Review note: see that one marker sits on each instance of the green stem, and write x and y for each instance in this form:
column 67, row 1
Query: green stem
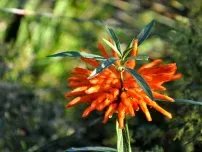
column 123, row 138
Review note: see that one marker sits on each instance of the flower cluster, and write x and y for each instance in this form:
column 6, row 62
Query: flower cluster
column 114, row 90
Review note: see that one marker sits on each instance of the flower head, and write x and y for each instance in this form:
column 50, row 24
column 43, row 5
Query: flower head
column 115, row 91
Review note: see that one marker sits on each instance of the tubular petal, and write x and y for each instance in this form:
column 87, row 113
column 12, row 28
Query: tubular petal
column 114, row 92
column 166, row 68
column 105, row 103
column 126, row 102
column 161, row 110
column 163, row 97
column 83, row 99
column 77, row 91
column 93, row 89
column 144, row 108
column 98, row 100
column 121, row 115
column 102, row 50
column 77, row 84
column 109, row 112
column 91, row 62
column 175, row 77
column 131, row 63
column 87, row 111
column 134, row 94
column 149, row 65
column 82, row 71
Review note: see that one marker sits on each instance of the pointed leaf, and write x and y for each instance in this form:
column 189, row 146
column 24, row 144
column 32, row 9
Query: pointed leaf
column 123, row 139
column 120, row 146
column 126, row 53
column 77, row 54
column 105, row 64
column 145, row 32
column 112, row 46
column 142, row 83
column 186, row 101
column 139, row 57
column 128, row 49
column 96, row 148
column 112, row 34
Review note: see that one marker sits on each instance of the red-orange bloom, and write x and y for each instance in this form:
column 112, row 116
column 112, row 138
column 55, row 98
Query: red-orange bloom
column 109, row 93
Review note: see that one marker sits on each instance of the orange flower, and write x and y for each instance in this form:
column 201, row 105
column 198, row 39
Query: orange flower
column 111, row 93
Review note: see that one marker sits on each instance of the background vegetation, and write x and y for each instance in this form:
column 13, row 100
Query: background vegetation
column 32, row 105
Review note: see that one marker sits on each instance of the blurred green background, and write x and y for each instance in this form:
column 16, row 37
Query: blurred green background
column 32, row 105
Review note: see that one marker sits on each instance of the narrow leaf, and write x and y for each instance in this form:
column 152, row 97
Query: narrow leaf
column 105, row 64
column 120, row 146
column 112, row 46
column 145, row 32
column 140, row 57
column 142, row 83
column 126, row 52
column 96, row 148
column 123, row 138
column 112, row 34
column 188, row 101
column 77, row 54
column 128, row 48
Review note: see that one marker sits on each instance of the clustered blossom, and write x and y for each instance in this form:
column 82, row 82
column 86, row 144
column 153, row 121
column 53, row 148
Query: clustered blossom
column 112, row 93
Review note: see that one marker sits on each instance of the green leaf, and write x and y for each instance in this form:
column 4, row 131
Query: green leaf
column 188, row 101
column 77, row 54
column 120, row 147
column 112, row 46
column 142, row 83
column 139, row 57
column 112, row 34
column 145, row 32
column 123, row 139
column 105, row 64
column 128, row 49
column 96, row 148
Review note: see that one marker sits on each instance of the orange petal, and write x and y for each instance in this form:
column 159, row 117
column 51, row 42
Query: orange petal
column 116, row 83
column 133, row 94
column 77, row 91
column 82, row 71
column 161, row 110
column 131, row 63
column 127, row 103
column 157, row 87
column 91, row 62
column 93, row 89
column 77, row 84
column 99, row 100
column 83, row 99
column 149, row 65
column 114, row 92
column 175, row 77
column 121, row 115
column 87, row 111
column 105, row 103
column 109, row 112
column 135, row 104
column 73, row 102
column 144, row 108
column 102, row 50
column 163, row 97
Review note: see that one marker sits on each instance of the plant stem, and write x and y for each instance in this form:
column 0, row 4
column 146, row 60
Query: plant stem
column 123, row 138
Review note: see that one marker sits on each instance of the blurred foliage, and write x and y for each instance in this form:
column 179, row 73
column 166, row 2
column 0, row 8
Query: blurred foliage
column 32, row 113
